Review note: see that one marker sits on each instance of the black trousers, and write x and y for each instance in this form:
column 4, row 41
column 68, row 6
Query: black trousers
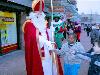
column 64, row 34
column 93, row 70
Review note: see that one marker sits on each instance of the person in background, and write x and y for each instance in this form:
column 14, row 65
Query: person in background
column 68, row 24
column 93, row 56
column 71, row 61
column 94, row 67
column 77, row 31
column 72, row 26
column 94, row 33
column 88, row 30
column 71, row 29
column 64, row 33
column 59, row 29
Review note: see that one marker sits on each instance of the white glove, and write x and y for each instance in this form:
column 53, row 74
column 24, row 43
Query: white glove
column 97, row 63
column 41, row 41
column 49, row 45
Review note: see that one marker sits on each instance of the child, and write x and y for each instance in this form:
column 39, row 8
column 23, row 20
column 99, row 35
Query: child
column 94, row 68
column 94, row 55
column 71, row 61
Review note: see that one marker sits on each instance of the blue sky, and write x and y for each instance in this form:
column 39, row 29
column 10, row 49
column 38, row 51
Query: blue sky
column 88, row 6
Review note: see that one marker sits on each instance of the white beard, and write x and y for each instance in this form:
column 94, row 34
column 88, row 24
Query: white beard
column 38, row 20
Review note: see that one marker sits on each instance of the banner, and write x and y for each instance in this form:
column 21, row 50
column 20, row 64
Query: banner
column 8, row 28
column 7, row 18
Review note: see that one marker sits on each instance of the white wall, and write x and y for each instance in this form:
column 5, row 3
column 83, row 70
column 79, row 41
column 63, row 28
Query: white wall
column 23, row 2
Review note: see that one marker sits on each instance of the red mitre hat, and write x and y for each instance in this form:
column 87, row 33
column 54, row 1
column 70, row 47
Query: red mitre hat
column 36, row 5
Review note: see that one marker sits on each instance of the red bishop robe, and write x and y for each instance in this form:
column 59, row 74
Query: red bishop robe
column 32, row 56
column 37, row 7
column 59, row 66
column 60, row 70
column 42, row 49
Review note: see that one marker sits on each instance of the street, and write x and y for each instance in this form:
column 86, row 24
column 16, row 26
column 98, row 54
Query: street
column 14, row 64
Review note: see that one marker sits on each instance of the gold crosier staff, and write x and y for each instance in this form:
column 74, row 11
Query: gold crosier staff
column 54, row 56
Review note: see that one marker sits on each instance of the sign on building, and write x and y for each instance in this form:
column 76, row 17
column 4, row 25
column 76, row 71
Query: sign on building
column 57, row 9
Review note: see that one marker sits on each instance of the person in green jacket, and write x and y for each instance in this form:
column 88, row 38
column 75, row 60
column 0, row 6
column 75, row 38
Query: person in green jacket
column 59, row 29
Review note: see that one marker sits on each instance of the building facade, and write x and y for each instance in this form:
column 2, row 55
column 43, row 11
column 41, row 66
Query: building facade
column 68, row 8
column 12, row 15
column 90, row 19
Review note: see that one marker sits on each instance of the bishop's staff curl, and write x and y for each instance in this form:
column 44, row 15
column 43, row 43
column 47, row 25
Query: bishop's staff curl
column 54, row 56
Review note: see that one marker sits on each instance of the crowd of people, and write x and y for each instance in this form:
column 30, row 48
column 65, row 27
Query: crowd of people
column 93, row 32
column 63, row 29
column 73, row 52
column 40, row 48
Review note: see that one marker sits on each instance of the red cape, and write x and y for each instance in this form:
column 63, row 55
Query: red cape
column 32, row 56
column 59, row 66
